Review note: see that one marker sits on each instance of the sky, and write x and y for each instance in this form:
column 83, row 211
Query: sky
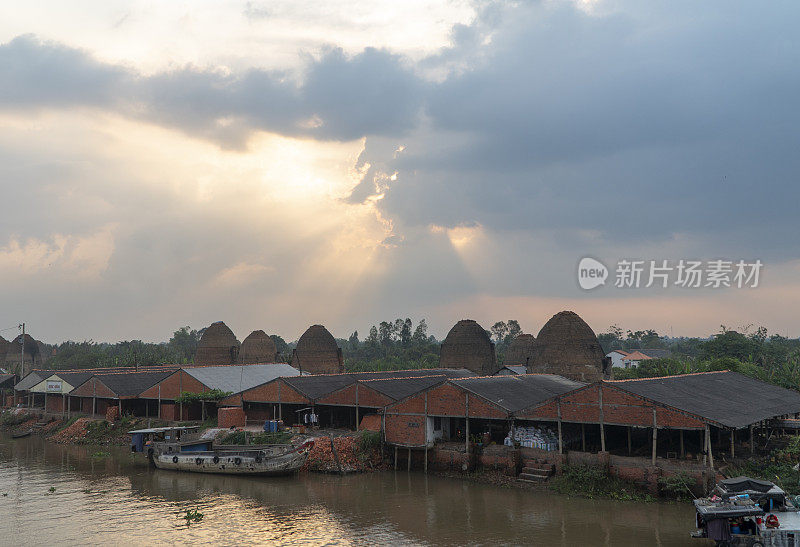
column 281, row 164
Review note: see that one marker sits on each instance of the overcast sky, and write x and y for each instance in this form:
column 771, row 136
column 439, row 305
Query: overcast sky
column 280, row 164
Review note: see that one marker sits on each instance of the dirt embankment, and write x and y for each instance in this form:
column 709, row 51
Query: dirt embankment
column 354, row 453
column 74, row 430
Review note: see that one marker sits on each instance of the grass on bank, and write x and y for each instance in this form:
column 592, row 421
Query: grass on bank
column 595, row 483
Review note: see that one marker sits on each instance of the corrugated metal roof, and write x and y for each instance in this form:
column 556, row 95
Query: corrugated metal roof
column 237, row 378
column 320, row 385
column 514, row 393
column 516, row 369
column 73, row 379
column 32, row 379
column 400, row 388
column 727, row 398
column 130, row 384
column 5, row 378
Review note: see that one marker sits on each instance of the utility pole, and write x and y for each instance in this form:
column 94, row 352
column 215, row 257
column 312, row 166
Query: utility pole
column 22, row 352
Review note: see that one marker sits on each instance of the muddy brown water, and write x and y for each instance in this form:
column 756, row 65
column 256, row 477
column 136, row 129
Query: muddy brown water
column 113, row 497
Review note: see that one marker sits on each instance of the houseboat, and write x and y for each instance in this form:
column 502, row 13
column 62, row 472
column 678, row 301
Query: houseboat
column 186, row 449
column 749, row 513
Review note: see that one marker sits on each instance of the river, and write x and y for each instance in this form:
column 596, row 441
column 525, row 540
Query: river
column 106, row 495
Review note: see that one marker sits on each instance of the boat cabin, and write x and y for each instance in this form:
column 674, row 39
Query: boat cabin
column 747, row 512
column 173, row 439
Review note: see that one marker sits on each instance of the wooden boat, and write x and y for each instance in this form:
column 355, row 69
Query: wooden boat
column 21, row 434
column 183, row 449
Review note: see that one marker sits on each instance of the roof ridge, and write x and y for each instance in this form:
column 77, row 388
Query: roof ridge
column 663, row 377
column 405, row 378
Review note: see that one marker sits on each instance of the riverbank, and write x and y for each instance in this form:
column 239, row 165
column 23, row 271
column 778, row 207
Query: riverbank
column 345, row 452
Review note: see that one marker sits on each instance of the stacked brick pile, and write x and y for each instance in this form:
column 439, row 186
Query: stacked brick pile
column 72, row 433
column 112, row 413
column 321, row 458
column 230, row 417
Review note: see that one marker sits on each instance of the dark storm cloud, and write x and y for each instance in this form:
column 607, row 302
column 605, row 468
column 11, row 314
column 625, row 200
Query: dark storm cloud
column 336, row 97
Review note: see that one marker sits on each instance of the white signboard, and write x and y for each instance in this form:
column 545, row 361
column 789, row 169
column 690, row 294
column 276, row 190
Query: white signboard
column 54, row 386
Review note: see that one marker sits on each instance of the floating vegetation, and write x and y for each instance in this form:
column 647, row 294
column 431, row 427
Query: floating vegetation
column 51, row 489
column 101, row 454
column 193, row 515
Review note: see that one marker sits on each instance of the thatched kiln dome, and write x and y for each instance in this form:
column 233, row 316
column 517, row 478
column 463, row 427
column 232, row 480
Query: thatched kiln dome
column 14, row 356
column 520, row 350
column 258, row 347
column 317, row 352
column 3, row 347
column 468, row 346
column 218, row 346
column 566, row 345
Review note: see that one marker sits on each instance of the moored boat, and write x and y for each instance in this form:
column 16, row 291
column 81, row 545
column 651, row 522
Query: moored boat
column 21, row 434
column 749, row 513
column 184, row 449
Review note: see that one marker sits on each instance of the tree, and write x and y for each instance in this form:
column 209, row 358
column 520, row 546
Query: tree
column 405, row 332
column 184, row 342
column 420, row 333
column 372, row 339
column 514, row 330
column 385, row 332
column 353, row 342
column 280, row 344
column 499, row 331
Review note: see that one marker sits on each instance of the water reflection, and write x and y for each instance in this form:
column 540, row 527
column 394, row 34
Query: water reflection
column 119, row 499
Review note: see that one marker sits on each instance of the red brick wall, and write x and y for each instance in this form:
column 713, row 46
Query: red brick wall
column 369, row 397
column 405, row 430
column 230, row 417
column 290, row 395
column 54, row 404
column 345, row 396
column 478, row 408
column 173, row 385
column 267, row 393
column 446, row 400
column 168, row 411
column 415, row 403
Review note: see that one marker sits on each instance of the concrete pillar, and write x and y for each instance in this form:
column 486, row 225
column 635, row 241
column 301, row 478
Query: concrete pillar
column 629, row 441
column 655, row 436
column 426, row 458
column 409, row 460
column 583, row 437
column 710, row 454
column 602, row 418
column 752, row 442
column 395, row 458
column 560, row 439
column 733, row 440
column 683, row 451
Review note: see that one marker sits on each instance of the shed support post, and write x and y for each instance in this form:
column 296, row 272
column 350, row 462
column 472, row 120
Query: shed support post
column 409, row 460
column 94, row 405
column 683, row 451
column 629, row 440
column 63, row 405
column 395, row 458
column 426, row 458
column 159, row 401
column 560, row 438
column 280, row 411
column 655, row 436
column 602, row 426
column 356, row 406
column 119, row 404
column 733, row 440
column 710, row 454
column 466, row 413
column 583, row 437
column 752, row 444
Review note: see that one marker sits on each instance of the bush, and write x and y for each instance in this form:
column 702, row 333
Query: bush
column 595, row 482
column 678, row 486
column 369, row 441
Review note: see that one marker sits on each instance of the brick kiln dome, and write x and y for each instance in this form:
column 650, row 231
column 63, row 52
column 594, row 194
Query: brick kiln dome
column 520, row 350
column 468, row 346
column 258, row 347
column 3, row 347
column 13, row 353
column 566, row 345
column 317, row 352
column 218, row 346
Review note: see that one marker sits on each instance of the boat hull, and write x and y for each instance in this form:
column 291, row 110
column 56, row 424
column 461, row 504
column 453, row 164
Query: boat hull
column 235, row 463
